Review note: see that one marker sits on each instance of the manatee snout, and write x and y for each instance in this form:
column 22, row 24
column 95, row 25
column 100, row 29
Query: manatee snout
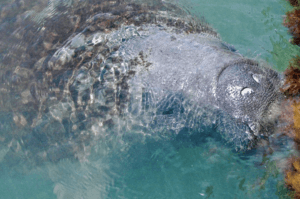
column 250, row 93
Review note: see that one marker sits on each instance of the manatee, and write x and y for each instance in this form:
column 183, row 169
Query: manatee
column 180, row 79
column 116, row 72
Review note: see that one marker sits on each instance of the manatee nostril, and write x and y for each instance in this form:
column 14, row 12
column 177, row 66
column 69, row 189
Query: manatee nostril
column 246, row 91
column 256, row 77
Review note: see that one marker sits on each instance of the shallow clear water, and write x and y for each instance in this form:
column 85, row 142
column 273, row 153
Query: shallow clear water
column 171, row 168
column 253, row 27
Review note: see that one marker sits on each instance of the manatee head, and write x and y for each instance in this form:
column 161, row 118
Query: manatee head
column 250, row 93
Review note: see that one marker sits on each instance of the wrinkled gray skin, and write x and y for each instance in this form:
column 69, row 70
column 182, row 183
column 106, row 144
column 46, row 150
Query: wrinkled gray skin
column 192, row 76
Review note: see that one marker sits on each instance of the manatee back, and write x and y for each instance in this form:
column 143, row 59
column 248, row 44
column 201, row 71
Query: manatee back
column 66, row 77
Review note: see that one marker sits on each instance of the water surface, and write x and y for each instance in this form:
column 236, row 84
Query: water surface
column 164, row 168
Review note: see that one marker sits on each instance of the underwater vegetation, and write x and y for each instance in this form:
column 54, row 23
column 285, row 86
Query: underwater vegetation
column 294, row 3
column 291, row 90
column 292, row 172
column 292, row 22
column 291, row 87
column 293, row 177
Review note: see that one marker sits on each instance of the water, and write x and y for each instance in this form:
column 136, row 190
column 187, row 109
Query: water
column 152, row 168
column 254, row 28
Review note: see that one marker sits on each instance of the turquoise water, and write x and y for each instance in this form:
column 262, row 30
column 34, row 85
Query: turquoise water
column 170, row 169
column 253, row 27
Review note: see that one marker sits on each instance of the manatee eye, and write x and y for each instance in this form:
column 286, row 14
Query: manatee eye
column 256, row 77
column 246, row 91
